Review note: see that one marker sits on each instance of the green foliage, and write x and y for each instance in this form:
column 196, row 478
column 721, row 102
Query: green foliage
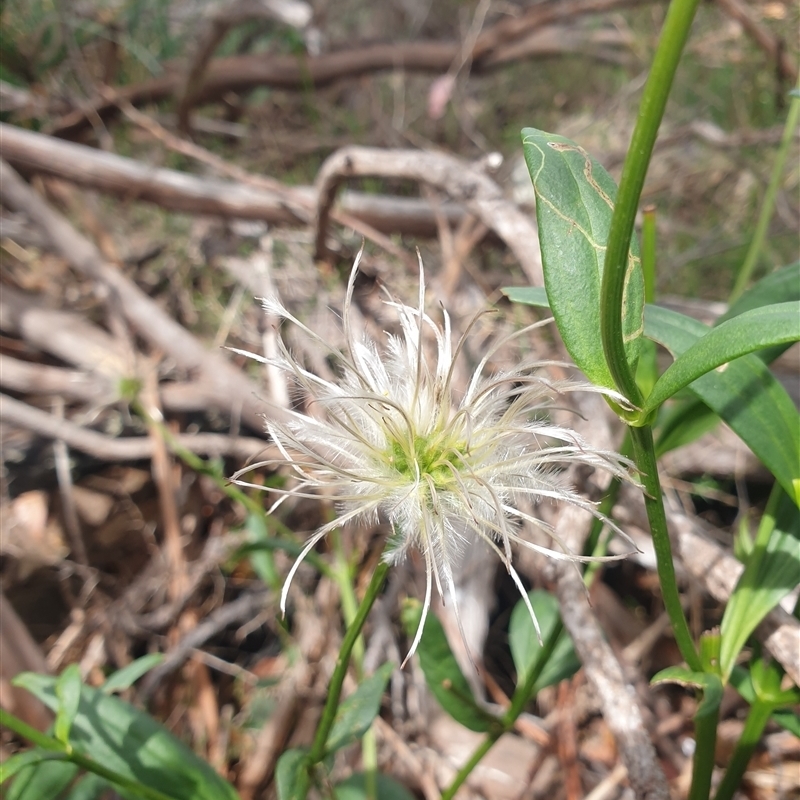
column 525, row 646
column 574, row 202
column 442, row 673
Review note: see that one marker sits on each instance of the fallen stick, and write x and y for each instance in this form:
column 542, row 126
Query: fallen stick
column 130, row 448
column 232, row 389
column 32, row 152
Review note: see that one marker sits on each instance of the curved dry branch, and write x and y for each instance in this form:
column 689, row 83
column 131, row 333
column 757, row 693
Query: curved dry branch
column 463, row 182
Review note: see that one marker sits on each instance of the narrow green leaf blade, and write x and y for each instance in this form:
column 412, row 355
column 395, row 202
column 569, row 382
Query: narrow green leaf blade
column 132, row 744
column 746, row 395
column 356, row 713
column 753, row 330
column 68, row 692
column 780, row 286
column 574, row 204
column 124, row 678
column 442, row 674
column 770, row 574
column 524, row 643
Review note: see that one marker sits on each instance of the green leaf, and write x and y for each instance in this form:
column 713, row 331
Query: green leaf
column 753, row 330
column 529, row 295
column 781, row 286
column 356, row 788
column 525, row 647
column 132, row 744
column 710, row 684
column 289, row 773
column 574, row 204
column 746, row 395
column 24, row 760
column 90, row 787
column 442, row 674
column 43, row 781
column 68, row 691
column 786, row 718
column 771, row 572
column 125, row 678
column 355, row 715
column 682, row 423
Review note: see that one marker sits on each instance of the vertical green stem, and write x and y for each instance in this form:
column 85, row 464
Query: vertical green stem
column 705, row 737
column 764, row 216
column 645, row 458
column 654, row 99
column 317, row 752
column 757, row 720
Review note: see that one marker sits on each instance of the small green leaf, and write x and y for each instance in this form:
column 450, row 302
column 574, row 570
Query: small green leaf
column 68, row 691
column 442, row 673
column 753, row 330
column 529, row 295
column 25, row 760
column 124, row 678
column 710, row 684
column 771, row 572
column 132, row 744
column 574, row 204
column 356, row 788
column 684, row 421
column 289, row 773
column 525, row 647
column 746, row 395
column 42, row 781
column 786, row 718
column 90, row 787
column 355, row 715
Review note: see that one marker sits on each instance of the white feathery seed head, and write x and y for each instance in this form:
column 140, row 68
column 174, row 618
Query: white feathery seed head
column 396, row 441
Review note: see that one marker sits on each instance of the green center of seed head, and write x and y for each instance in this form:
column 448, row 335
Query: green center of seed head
column 430, row 456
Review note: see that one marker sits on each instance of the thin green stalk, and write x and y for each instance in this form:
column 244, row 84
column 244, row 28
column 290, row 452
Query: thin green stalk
column 84, row 762
column 767, row 207
column 705, row 737
column 317, row 751
column 654, row 99
column 645, row 458
column 754, row 726
column 518, row 702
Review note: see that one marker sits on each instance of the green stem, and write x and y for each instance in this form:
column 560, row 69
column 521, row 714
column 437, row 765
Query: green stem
column 757, row 720
column 54, row 745
column 705, row 736
column 765, row 214
column 520, row 699
column 645, row 458
column 654, row 99
column 317, row 751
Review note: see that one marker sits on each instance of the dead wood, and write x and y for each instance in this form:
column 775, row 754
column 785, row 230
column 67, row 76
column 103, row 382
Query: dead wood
column 772, row 45
column 244, row 73
column 132, row 448
column 218, row 21
column 132, row 180
column 464, row 183
column 233, row 390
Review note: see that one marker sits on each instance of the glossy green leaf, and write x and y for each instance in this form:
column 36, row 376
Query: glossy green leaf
column 525, row 647
column 746, row 395
column 442, row 674
column 68, row 692
column 771, row 572
column 289, row 773
column 125, row 678
column 710, row 684
column 355, row 788
column 45, row 780
column 529, row 295
column 132, row 744
column 355, row 715
column 574, row 203
column 753, row 330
